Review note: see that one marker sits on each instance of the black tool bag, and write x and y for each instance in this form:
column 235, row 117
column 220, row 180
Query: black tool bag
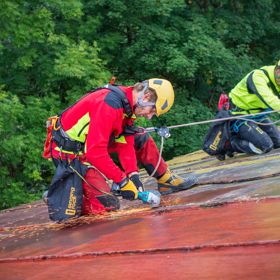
column 65, row 194
column 217, row 139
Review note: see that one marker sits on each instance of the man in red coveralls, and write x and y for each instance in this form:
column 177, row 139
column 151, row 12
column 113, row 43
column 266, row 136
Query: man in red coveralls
column 100, row 123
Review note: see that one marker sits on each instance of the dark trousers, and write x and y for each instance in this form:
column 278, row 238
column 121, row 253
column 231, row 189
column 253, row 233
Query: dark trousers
column 263, row 137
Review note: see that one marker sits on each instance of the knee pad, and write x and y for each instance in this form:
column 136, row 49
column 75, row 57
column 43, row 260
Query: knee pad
column 259, row 151
column 253, row 140
column 244, row 146
column 254, row 149
column 110, row 202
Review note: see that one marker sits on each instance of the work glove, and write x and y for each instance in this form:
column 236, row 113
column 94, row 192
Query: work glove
column 128, row 189
column 136, row 181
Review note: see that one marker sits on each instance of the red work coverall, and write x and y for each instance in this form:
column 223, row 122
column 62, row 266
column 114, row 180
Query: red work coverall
column 99, row 119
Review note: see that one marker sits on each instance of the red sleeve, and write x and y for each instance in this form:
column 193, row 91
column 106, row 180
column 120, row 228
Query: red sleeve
column 103, row 122
column 127, row 155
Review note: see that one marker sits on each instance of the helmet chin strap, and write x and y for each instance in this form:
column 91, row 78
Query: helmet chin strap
column 140, row 101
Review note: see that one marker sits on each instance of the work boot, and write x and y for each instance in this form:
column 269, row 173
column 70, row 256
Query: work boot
column 170, row 182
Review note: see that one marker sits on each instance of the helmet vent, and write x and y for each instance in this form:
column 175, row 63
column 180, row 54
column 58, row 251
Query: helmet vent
column 157, row 82
column 164, row 105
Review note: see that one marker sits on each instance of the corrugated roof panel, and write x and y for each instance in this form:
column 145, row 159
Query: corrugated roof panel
column 228, row 227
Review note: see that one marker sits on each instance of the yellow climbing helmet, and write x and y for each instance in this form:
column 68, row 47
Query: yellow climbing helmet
column 165, row 94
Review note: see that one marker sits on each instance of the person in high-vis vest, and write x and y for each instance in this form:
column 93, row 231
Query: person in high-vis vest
column 100, row 123
column 258, row 91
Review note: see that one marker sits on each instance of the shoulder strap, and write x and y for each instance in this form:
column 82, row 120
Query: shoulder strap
column 117, row 90
column 252, row 88
column 125, row 102
column 270, row 84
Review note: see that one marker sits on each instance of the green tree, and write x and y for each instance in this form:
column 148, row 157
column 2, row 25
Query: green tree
column 44, row 67
column 45, row 57
column 53, row 51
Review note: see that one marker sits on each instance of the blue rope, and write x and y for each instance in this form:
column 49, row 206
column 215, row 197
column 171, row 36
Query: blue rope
column 238, row 123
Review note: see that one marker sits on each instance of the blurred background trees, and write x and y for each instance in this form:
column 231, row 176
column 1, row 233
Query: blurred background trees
column 53, row 51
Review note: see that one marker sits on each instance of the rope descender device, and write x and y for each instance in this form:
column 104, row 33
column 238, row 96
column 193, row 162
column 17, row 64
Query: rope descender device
column 161, row 131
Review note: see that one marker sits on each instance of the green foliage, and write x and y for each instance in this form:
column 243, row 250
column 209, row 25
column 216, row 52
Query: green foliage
column 53, row 51
column 38, row 59
column 23, row 171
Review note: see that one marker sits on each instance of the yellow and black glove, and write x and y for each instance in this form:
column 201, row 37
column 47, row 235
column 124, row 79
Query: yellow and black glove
column 128, row 189
column 134, row 177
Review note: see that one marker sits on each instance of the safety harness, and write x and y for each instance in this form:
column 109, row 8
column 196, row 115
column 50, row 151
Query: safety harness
column 252, row 90
column 65, row 194
column 65, row 143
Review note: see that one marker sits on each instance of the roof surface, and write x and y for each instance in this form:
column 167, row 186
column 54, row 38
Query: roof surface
column 227, row 227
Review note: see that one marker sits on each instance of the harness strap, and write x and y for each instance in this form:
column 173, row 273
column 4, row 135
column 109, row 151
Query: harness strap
column 270, row 84
column 64, row 142
column 253, row 90
column 61, row 139
column 125, row 102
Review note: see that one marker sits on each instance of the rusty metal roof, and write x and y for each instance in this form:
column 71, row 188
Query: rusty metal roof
column 227, row 227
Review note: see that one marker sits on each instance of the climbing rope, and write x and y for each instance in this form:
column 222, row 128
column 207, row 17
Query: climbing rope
column 239, row 117
column 160, row 152
column 88, row 183
column 164, row 131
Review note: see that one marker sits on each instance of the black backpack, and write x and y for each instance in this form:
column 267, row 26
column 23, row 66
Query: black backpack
column 217, row 139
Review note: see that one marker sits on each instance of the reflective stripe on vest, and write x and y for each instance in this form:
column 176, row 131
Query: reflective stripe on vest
column 121, row 140
column 79, row 131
